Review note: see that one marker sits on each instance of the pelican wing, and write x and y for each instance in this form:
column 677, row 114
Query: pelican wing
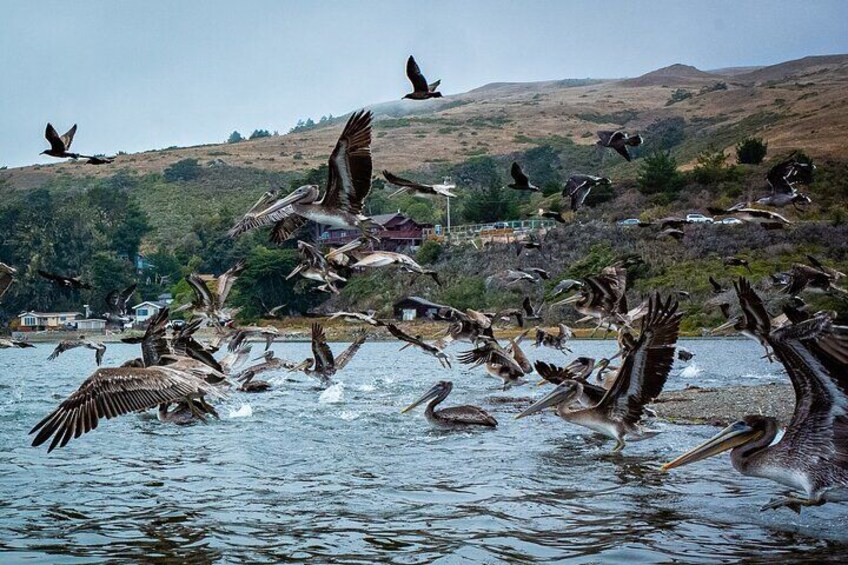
column 349, row 180
column 153, row 343
column 68, row 138
column 345, row 356
column 117, row 300
column 396, row 180
column 286, row 227
column 578, row 195
column 63, row 346
column 321, row 351
column 7, row 276
column 413, row 73
column 202, row 295
column 518, row 175
column 646, row 365
column 113, row 392
column 552, row 373
column 227, row 280
column 757, row 319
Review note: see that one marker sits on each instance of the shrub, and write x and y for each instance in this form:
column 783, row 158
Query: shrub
column 184, row 170
column 429, row 252
column 658, row 174
column 235, row 137
column 259, row 133
column 751, row 151
column 711, row 167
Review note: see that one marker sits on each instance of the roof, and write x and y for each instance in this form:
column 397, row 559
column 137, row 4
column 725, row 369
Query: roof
column 381, row 219
column 156, row 304
column 92, row 320
column 48, row 314
column 419, row 301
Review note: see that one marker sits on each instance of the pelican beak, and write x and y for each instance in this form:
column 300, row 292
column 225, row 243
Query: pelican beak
column 564, row 392
column 736, row 434
column 296, row 270
column 570, row 300
column 432, row 393
column 303, row 365
column 724, row 327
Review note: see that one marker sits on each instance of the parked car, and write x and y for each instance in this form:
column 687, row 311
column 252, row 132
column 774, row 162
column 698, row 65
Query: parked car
column 699, row 219
column 628, row 222
column 501, row 225
column 731, row 221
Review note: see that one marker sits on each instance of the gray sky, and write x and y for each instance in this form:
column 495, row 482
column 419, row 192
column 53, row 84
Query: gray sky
column 151, row 74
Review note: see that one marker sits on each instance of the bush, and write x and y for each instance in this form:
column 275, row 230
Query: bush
column 259, row 133
column 712, row 168
column 658, row 174
column 184, row 170
column 235, row 137
column 429, row 252
column 751, row 151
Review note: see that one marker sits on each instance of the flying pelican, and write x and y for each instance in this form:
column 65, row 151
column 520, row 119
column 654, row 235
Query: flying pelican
column 63, row 346
column 816, row 278
column 554, row 341
column 499, row 362
column 6, row 343
column 417, row 189
column 769, row 220
column 736, row 262
column 60, row 146
column 358, row 317
column 427, row 348
column 211, row 304
column 248, row 384
column 65, row 283
column 453, row 417
column 7, row 277
column 520, row 181
column 270, row 333
column 578, row 187
column 558, row 217
column 602, row 297
column 115, row 391
column 421, row 89
column 471, row 326
column 314, row 266
column 577, row 370
column 270, row 362
column 322, row 365
column 117, row 302
column 532, row 242
column 405, row 262
column 619, row 141
column 782, row 178
column 811, row 455
column 512, row 277
column 348, row 185
column 643, row 373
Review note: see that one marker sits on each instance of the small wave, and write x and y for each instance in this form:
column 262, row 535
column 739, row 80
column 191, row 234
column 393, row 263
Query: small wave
column 367, row 388
column 332, row 395
column 243, row 411
column 348, row 415
column 691, row 371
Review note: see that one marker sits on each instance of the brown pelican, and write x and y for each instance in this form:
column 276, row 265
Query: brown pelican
column 405, row 262
column 270, row 204
column 811, row 455
column 684, row 354
column 269, row 333
column 314, row 266
column 538, row 271
column 66, row 283
column 269, row 363
column 558, row 217
column 184, row 414
column 578, row 187
column 526, row 312
column 421, row 89
column 671, row 233
column 720, row 298
column 602, row 297
column 532, row 242
column 322, row 365
column 417, row 189
column 511, row 277
column 817, row 278
column 271, row 312
column 63, row 346
column 211, row 304
column 453, row 417
column 348, row 185
column 7, row 276
column 248, row 384
column 117, row 302
column 782, row 178
column 499, row 362
column 470, row 326
column 643, row 373
column 571, row 384
column 554, row 341
column 6, row 343
column 60, row 146
column 115, row 391
column 769, row 220
column 577, row 370
column 420, row 344
column 520, row 181
column 358, row 317
column 619, row 141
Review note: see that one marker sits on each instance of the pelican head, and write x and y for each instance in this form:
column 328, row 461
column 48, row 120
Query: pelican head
column 306, row 194
column 566, row 392
column 742, row 432
column 440, row 389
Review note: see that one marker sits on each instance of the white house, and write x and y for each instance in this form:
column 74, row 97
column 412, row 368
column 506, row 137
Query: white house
column 147, row 310
column 40, row 321
column 92, row 325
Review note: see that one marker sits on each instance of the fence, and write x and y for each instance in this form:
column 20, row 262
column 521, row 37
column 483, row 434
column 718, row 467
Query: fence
column 502, row 232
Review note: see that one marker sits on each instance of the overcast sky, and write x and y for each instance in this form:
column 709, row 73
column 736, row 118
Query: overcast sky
column 151, row 74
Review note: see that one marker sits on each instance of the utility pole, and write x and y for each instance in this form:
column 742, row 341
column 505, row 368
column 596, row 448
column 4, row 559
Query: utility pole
column 448, row 184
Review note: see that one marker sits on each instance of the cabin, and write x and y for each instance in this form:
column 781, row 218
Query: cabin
column 395, row 231
column 147, row 309
column 42, row 321
column 413, row 307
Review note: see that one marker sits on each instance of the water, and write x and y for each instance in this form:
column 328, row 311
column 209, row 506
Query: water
column 341, row 476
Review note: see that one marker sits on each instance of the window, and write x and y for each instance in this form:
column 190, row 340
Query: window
column 142, row 312
column 29, row 321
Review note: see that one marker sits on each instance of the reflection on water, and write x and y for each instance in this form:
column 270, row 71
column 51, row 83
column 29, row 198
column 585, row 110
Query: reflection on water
column 297, row 475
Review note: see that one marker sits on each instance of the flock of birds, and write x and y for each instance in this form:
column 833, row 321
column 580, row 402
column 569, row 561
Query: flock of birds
column 180, row 376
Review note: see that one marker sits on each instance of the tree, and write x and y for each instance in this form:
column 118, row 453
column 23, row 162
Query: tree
column 658, row 174
column 235, row 137
column 751, row 151
column 259, row 133
column 183, row 170
column 429, row 252
column 711, row 167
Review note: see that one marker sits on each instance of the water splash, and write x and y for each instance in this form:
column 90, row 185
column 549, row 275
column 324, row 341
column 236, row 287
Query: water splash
column 333, row 395
column 243, row 411
column 691, row 371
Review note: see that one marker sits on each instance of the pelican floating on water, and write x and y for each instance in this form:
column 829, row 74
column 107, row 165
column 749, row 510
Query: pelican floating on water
column 812, row 455
column 455, row 416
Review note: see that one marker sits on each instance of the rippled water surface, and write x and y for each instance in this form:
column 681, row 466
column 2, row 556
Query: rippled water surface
column 341, row 476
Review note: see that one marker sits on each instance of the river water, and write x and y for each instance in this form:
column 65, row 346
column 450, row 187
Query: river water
column 340, row 476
